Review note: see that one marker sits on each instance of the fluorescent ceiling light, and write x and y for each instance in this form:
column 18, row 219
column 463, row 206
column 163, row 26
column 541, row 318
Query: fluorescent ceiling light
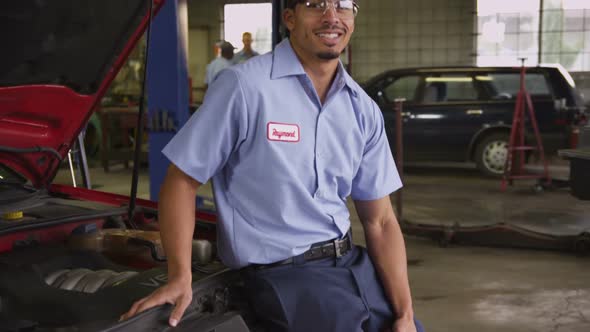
column 449, row 79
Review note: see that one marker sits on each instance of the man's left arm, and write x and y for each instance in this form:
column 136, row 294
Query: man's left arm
column 386, row 247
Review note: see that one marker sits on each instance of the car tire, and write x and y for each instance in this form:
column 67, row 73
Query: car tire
column 491, row 153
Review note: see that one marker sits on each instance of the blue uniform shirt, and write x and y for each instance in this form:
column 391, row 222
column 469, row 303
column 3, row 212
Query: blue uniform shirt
column 283, row 164
column 215, row 67
column 241, row 56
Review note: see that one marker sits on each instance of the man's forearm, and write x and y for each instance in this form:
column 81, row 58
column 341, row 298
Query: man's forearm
column 386, row 247
column 177, row 222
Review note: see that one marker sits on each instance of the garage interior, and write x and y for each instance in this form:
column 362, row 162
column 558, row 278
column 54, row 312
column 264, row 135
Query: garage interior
column 455, row 286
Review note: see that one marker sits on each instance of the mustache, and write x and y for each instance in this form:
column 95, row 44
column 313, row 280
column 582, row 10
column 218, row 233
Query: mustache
column 332, row 27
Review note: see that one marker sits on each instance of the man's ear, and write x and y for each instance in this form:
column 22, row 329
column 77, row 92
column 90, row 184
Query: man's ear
column 289, row 18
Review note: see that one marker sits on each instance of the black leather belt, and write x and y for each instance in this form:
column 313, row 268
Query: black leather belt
column 327, row 249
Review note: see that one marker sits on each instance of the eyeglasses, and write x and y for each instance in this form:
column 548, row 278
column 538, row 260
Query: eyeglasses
column 346, row 9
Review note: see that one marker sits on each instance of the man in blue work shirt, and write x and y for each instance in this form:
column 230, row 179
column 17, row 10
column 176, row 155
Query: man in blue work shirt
column 247, row 52
column 286, row 137
column 220, row 63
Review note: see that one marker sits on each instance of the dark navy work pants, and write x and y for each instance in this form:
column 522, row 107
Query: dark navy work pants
column 333, row 294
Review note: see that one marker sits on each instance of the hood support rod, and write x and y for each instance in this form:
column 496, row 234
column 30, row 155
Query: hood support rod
column 139, row 131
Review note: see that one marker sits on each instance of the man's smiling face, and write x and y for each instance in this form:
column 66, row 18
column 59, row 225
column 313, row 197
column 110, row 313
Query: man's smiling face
column 318, row 37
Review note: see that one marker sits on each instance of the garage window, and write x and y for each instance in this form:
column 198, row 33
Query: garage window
column 509, row 30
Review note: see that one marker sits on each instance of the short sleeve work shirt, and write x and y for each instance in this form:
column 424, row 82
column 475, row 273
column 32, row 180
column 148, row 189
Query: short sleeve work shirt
column 215, row 67
column 281, row 162
column 242, row 56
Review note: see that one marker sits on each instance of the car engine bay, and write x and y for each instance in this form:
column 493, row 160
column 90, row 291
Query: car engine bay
column 75, row 264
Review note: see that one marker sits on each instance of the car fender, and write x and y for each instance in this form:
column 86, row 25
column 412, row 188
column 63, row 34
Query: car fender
column 486, row 129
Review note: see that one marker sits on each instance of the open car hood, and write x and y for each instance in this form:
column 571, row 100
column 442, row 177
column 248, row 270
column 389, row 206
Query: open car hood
column 58, row 59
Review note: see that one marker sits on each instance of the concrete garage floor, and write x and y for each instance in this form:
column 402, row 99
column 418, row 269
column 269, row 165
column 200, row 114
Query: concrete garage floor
column 466, row 288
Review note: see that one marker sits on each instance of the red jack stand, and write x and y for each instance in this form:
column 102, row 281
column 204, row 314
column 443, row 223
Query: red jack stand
column 514, row 169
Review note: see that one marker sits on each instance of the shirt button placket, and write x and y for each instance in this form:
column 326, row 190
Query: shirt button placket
column 318, row 158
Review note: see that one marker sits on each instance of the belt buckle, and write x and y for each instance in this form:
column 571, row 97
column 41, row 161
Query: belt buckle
column 337, row 248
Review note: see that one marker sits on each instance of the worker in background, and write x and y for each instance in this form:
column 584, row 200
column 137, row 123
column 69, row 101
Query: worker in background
column 286, row 138
column 247, row 52
column 217, row 48
column 220, row 63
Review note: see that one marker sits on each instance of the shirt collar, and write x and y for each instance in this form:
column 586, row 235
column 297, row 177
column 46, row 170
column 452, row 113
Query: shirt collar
column 286, row 63
column 342, row 74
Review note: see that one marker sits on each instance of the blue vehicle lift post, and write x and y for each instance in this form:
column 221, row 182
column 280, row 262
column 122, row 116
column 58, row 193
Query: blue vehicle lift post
column 167, row 85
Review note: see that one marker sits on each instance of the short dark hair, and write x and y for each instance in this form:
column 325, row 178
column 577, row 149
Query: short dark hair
column 292, row 3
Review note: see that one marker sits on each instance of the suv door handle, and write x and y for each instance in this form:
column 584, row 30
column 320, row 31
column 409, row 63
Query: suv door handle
column 406, row 113
column 474, row 112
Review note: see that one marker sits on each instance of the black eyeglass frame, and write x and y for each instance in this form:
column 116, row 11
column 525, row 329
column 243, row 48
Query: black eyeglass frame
column 355, row 6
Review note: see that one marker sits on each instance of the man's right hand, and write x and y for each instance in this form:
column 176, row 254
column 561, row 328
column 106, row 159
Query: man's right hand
column 177, row 292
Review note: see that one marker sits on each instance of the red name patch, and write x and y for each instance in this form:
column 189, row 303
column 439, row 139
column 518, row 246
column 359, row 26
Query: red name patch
column 282, row 132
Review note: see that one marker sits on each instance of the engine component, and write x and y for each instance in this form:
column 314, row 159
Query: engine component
column 114, row 240
column 202, row 252
column 85, row 280
column 13, row 215
column 135, row 247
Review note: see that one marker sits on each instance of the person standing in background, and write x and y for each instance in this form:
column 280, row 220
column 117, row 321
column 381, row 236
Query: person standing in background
column 219, row 63
column 247, row 52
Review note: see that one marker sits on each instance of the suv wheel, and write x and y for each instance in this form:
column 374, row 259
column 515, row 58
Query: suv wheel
column 491, row 154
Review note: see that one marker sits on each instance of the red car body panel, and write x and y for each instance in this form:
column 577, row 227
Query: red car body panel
column 51, row 116
column 118, row 200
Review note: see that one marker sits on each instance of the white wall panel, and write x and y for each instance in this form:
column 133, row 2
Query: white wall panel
column 394, row 34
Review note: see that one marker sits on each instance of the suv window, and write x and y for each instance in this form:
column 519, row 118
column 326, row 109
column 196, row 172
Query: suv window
column 449, row 88
column 506, row 85
column 403, row 87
